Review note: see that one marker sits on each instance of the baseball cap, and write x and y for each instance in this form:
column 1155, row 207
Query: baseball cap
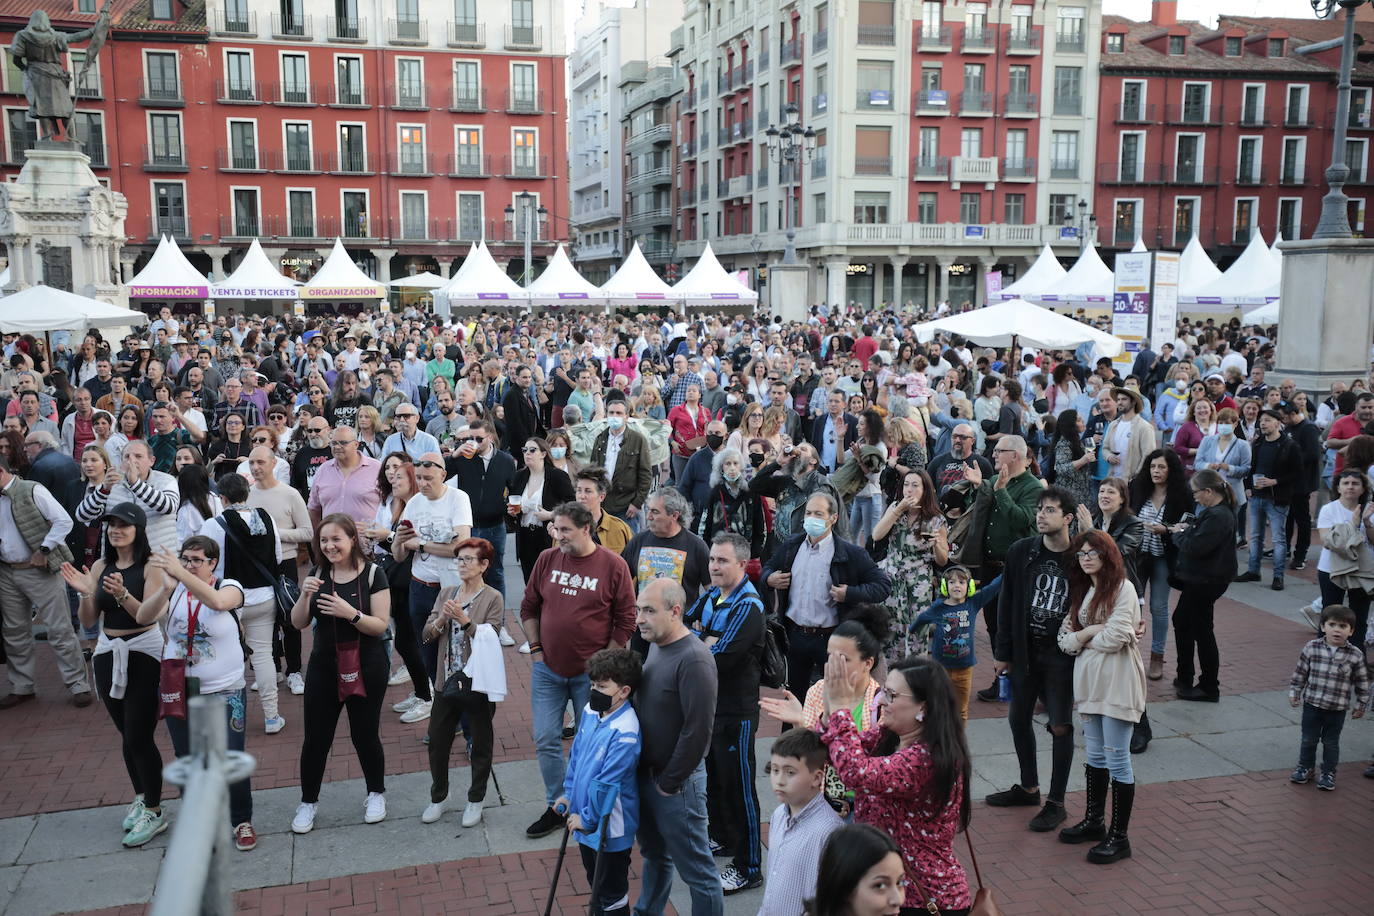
column 128, row 513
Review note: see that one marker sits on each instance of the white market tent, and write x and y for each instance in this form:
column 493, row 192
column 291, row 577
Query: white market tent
column 1265, row 314
column 426, row 280
column 707, row 283
column 1089, row 280
column 1254, row 279
column 255, row 278
column 481, row 281
column 561, row 284
column 339, row 278
column 635, row 283
column 1139, row 246
column 168, row 275
column 1043, row 274
column 1195, row 268
column 41, row 308
column 998, row 325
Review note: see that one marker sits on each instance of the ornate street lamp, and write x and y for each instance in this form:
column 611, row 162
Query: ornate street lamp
column 790, row 145
column 526, row 200
column 1335, row 221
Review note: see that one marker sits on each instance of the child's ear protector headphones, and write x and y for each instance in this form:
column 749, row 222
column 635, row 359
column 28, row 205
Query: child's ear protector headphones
column 944, row 587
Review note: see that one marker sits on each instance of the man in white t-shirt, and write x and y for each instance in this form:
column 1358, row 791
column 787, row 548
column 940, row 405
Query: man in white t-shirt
column 435, row 520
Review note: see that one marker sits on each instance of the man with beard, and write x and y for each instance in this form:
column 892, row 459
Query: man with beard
column 449, row 422
column 790, row 481
column 947, row 469
column 347, row 401
column 579, row 599
column 314, row 453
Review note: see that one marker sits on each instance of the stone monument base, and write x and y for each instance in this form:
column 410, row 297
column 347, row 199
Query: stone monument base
column 788, row 291
column 1326, row 322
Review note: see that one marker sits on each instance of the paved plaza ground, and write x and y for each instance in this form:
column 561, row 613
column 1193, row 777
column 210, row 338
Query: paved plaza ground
column 1217, row 829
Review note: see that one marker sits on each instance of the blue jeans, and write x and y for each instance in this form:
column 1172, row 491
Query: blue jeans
column 549, row 696
column 496, row 570
column 1261, row 511
column 1107, row 745
column 863, row 515
column 422, row 596
column 235, row 715
column 1154, row 573
column 672, row 832
column 1321, row 725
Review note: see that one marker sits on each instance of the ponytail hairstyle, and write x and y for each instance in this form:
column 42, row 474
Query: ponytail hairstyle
column 1211, row 480
column 870, row 627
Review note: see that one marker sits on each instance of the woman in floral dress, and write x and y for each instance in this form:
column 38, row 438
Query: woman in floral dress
column 917, row 546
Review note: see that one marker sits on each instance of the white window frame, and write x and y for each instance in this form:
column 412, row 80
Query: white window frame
column 1259, row 153
column 396, row 76
column 334, row 77
column 1278, row 216
column 513, row 147
column 1139, row 216
column 1173, row 213
column 229, row 139
column 367, row 200
column 181, row 129
column 1140, row 152
column 95, row 71
column 1306, row 103
column 424, row 142
column 148, row 52
column 1246, row 87
column 233, row 205
column 1183, row 96
column 1144, row 96
column 1300, row 167
column 1254, row 210
column 458, row 210
column 401, row 195
column 314, row 209
column 1201, row 150
column 1358, row 177
column 224, row 62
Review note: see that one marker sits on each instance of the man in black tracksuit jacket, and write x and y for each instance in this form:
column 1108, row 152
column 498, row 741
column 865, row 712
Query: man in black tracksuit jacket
column 729, row 618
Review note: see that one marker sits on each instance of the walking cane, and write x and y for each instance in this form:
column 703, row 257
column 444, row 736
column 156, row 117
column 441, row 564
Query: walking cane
column 558, row 866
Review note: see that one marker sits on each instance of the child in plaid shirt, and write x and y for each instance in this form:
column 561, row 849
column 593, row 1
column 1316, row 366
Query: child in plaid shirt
column 1328, row 669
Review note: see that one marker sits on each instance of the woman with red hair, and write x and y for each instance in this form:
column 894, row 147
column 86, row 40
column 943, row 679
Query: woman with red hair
column 1108, row 686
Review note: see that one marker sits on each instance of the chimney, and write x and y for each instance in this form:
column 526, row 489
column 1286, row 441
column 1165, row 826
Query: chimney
column 1164, row 12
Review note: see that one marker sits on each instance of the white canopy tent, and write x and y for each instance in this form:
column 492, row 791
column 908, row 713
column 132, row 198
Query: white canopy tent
column 41, row 308
column 561, row 284
column 635, row 283
column 998, row 325
column 707, row 283
column 1195, row 268
column 1139, row 246
column 340, row 278
column 1088, row 281
column 168, row 275
column 1254, row 279
column 481, row 281
column 1043, row 274
column 425, row 280
column 255, row 278
column 1265, row 314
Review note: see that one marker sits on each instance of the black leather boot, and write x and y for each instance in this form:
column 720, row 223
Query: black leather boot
column 1117, row 845
column 1140, row 737
column 1092, row 827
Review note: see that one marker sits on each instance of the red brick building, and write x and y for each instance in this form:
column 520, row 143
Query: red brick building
column 1223, row 131
column 256, row 118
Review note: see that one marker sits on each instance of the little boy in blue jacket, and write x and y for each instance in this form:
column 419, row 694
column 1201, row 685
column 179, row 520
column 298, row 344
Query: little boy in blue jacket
column 603, row 763
column 954, row 616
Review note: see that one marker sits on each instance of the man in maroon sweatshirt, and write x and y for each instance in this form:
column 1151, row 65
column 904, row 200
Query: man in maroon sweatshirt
column 580, row 598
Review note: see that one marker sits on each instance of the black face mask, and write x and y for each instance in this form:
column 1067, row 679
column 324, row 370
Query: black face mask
column 599, row 702
column 756, row 459
column 715, row 442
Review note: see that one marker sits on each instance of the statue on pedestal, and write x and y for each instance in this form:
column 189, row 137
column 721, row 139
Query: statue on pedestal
column 37, row 50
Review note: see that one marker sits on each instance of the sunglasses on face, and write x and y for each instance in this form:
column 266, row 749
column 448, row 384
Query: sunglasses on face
column 429, row 464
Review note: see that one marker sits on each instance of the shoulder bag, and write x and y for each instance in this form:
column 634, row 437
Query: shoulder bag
column 173, row 685
column 285, row 590
column 984, row 904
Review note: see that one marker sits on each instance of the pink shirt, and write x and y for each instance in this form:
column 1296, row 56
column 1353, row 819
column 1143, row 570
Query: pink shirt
column 354, row 494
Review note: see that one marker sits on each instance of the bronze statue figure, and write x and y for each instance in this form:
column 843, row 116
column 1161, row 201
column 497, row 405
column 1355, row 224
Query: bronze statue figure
column 37, row 51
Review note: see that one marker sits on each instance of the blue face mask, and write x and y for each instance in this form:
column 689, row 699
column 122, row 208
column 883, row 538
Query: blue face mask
column 615, row 422
column 815, row 527
column 1225, row 429
column 558, row 452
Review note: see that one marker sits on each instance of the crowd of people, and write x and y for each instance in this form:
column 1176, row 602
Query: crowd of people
column 716, row 521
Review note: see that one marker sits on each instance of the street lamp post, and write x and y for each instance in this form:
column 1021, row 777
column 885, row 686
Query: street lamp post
column 526, row 200
column 790, row 145
column 1087, row 225
column 1335, row 221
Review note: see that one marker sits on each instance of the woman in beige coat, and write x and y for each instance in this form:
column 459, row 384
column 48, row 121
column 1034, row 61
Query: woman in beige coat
column 1108, row 686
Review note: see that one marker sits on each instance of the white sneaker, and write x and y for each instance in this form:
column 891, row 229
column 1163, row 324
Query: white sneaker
column 434, row 811
column 472, row 814
column 417, row 713
column 274, row 724
column 304, row 821
column 253, row 686
column 506, row 639
column 402, row 676
column 406, row 704
column 524, row 648
column 296, row 682
column 375, row 811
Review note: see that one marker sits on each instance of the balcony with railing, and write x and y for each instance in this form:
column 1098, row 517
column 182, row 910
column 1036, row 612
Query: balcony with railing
column 1195, row 173
column 935, row 38
column 1068, row 104
column 304, row 162
column 872, row 165
column 1070, row 44
column 467, row 99
column 525, row 166
column 932, row 102
column 158, row 157
column 525, row 103
column 412, row 162
column 1023, row 42
column 761, row 179
column 1131, row 172
column 160, row 93
column 687, row 197
column 1251, row 175
column 930, row 168
column 654, row 134
column 524, row 38
column 1031, row 236
column 818, row 167
column 978, row 169
column 878, row 36
column 291, row 28
column 178, row 227
column 417, row 229
column 469, row 165
column 294, row 94
column 1295, row 173
column 406, row 31
column 820, row 41
column 1135, row 113
column 1192, row 114
column 351, row 95
column 820, row 104
column 467, row 34
column 239, row 92
column 1254, row 116
column 357, row 227
column 409, row 95
column 351, row 162
column 242, row 159
column 97, row 154
column 978, row 41
column 873, row 99
column 299, row 227
column 241, row 226
column 739, row 186
column 1020, row 104
column 791, row 52
column 1295, row 118
column 650, row 177
column 342, row 28
column 1064, row 168
column 659, row 216
column 235, row 23
column 975, row 101
column 1018, row 169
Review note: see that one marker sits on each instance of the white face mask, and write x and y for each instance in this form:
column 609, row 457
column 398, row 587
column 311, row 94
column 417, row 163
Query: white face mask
column 1180, row 385
column 731, row 399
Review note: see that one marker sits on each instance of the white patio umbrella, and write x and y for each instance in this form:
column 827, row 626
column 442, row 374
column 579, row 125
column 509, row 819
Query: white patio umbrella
column 1018, row 320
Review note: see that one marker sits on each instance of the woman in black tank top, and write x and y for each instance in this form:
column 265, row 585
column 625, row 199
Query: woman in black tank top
column 128, row 657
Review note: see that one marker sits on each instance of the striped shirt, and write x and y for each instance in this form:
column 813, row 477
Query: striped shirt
column 794, row 848
column 1152, row 543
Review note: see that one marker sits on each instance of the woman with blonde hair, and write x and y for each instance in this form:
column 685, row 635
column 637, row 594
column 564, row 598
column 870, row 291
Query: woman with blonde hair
column 906, row 446
column 750, row 427
column 774, row 422
column 649, row 404
column 370, row 435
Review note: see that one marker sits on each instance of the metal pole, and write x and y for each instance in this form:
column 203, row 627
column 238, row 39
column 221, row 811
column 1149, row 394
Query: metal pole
column 789, row 253
column 526, row 201
column 1335, row 220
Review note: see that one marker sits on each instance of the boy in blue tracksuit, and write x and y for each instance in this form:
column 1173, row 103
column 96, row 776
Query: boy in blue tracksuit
column 954, row 616
column 604, row 759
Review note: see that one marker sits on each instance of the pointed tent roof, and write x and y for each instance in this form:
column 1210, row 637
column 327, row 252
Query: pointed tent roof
column 1253, row 279
column 42, row 308
column 481, row 279
column 708, row 281
column 1139, row 246
column 339, row 278
column 996, row 325
column 1195, row 267
column 635, row 280
column 1088, row 280
column 255, row 278
column 425, row 280
column 1043, row 274
column 168, row 275
column 560, row 282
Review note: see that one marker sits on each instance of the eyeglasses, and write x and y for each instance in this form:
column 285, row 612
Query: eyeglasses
column 886, row 695
column 336, row 444
column 260, row 440
column 406, row 416
column 530, row 450
column 467, row 560
column 429, row 464
column 193, row 562
column 1089, row 554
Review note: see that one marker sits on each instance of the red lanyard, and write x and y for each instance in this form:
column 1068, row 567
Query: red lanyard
column 192, row 616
